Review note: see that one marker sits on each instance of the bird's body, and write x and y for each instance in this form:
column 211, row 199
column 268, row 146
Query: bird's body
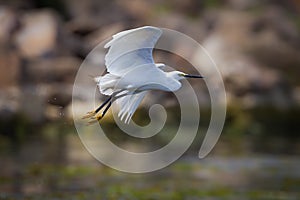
column 132, row 72
column 146, row 77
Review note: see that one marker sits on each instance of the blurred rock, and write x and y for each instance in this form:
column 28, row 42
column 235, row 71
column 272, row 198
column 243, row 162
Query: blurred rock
column 8, row 21
column 83, row 25
column 191, row 8
column 140, row 10
column 9, row 101
column 62, row 69
column 103, row 33
column 32, row 105
column 256, row 46
column 9, row 67
column 245, row 77
column 296, row 94
column 45, row 101
column 275, row 36
column 244, row 4
column 70, row 44
column 58, row 97
column 87, row 16
column 90, row 20
column 38, row 33
column 285, row 28
column 59, row 94
column 179, row 23
column 78, row 8
column 297, row 5
column 54, row 112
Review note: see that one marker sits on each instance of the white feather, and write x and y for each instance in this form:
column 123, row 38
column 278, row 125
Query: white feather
column 131, row 48
column 131, row 69
column 129, row 104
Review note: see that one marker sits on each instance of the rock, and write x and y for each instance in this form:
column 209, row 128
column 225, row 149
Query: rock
column 296, row 94
column 8, row 21
column 59, row 94
column 276, row 19
column 58, row 97
column 78, row 8
column 53, row 112
column 174, row 21
column 45, row 101
column 70, row 44
column 274, row 36
column 140, row 10
column 246, row 78
column 9, row 67
column 9, row 101
column 90, row 15
column 38, row 33
column 191, row 8
column 83, row 25
column 103, row 33
column 62, row 69
column 244, row 4
column 32, row 104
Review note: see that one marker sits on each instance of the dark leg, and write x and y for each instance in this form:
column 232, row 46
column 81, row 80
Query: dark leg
column 97, row 117
column 106, row 109
column 94, row 112
column 103, row 104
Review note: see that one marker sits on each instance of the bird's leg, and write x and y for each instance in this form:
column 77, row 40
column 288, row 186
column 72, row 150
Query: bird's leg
column 106, row 109
column 112, row 99
column 94, row 112
column 95, row 115
column 99, row 116
column 102, row 105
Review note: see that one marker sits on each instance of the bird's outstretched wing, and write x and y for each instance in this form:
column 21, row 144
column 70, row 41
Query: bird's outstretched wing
column 129, row 104
column 131, row 48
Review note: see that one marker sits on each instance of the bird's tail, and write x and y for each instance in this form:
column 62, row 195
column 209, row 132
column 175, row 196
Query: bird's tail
column 95, row 78
column 106, row 83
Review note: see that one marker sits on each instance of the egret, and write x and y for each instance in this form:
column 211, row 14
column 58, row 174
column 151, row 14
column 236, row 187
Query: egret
column 131, row 72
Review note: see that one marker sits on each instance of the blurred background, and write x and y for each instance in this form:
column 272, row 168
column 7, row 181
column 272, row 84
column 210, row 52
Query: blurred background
column 255, row 44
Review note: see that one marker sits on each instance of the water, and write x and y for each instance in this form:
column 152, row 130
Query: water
column 56, row 166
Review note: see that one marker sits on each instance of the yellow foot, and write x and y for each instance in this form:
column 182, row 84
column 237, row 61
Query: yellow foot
column 96, row 118
column 89, row 115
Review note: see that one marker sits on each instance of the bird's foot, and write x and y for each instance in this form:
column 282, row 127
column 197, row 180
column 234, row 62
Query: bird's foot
column 94, row 119
column 97, row 116
column 89, row 114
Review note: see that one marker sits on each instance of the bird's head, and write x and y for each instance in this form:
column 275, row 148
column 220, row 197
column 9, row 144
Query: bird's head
column 178, row 75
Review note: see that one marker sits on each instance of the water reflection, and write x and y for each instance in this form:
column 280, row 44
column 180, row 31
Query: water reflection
column 55, row 165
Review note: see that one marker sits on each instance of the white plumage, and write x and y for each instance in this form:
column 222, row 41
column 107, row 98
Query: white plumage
column 132, row 72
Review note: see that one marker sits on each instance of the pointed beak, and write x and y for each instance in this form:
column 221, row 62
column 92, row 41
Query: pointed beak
column 192, row 76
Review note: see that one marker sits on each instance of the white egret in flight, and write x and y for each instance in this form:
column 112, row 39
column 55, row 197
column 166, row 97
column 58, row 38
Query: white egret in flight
column 132, row 72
